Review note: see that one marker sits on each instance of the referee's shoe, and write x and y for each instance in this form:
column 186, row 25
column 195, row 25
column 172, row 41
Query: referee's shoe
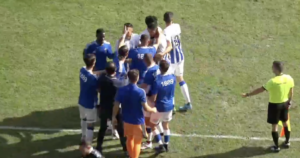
column 280, row 89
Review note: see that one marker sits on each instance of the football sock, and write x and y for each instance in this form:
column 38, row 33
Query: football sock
column 149, row 139
column 158, row 137
column 89, row 134
column 185, row 91
column 275, row 138
column 160, row 128
column 83, row 127
column 167, row 136
column 287, row 134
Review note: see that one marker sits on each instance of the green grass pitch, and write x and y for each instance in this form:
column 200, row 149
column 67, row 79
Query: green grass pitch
column 229, row 47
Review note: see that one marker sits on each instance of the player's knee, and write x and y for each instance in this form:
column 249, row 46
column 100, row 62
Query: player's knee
column 165, row 125
column 274, row 128
column 90, row 125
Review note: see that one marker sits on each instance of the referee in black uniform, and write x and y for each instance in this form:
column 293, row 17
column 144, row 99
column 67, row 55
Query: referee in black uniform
column 108, row 85
column 280, row 89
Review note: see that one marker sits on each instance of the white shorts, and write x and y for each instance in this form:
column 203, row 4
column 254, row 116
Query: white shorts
column 89, row 114
column 146, row 113
column 178, row 68
column 158, row 117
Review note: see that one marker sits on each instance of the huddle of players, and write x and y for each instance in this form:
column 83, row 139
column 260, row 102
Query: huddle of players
column 143, row 53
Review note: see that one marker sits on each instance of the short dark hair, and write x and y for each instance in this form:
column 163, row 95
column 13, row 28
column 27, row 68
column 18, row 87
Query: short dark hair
column 133, row 75
column 168, row 16
column 110, row 68
column 144, row 37
column 278, row 65
column 148, row 58
column 100, row 31
column 123, row 50
column 163, row 66
column 128, row 25
column 152, row 25
column 89, row 60
column 150, row 19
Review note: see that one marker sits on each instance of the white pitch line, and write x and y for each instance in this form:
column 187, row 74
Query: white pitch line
column 173, row 134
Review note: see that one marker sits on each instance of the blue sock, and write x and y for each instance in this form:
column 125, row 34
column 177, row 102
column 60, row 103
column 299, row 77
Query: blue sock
column 167, row 136
column 148, row 130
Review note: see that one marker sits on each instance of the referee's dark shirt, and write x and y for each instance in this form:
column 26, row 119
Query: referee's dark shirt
column 108, row 86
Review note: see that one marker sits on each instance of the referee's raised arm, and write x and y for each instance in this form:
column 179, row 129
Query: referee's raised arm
column 280, row 89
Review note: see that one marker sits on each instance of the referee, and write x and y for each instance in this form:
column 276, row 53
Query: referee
column 280, row 90
column 107, row 86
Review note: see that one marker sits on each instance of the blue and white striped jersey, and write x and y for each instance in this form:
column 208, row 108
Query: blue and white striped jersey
column 172, row 34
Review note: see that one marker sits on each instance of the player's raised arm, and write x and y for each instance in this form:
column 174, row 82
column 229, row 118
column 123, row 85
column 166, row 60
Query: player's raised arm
column 122, row 39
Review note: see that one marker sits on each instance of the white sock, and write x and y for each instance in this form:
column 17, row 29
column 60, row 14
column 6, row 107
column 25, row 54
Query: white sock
column 83, row 127
column 150, row 137
column 90, row 134
column 160, row 128
column 185, row 91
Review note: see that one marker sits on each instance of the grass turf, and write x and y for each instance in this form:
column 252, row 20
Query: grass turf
column 228, row 45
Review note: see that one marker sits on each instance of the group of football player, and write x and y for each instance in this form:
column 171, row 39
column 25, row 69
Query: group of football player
column 143, row 74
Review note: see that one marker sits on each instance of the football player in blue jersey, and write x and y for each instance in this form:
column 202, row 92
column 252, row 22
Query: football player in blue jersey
column 163, row 92
column 137, row 55
column 120, row 64
column 88, row 98
column 101, row 48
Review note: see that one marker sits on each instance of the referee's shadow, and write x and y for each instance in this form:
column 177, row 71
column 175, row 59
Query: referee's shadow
column 243, row 152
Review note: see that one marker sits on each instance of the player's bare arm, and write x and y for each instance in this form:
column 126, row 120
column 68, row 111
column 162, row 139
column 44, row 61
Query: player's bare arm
column 115, row 112
column 291, row 94
column 148, row 108
column 122, row 39
column 256, row 91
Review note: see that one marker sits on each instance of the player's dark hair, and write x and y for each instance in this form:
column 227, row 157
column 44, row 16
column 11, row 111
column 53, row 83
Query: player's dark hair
column 89, row 60
column 148, row 59
column 150, row 19
column 100, row 31
column 144, row 37
column 163, row 66
column 133, row 75
column 278, row 65
column 152, row 25
column 110, row 68
column 123, row 51
column 168, row 16
column 128, row 25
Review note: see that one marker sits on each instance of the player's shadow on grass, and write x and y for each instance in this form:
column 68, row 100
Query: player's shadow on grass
column 58, row 118
column 243, row 152
column 17, row 144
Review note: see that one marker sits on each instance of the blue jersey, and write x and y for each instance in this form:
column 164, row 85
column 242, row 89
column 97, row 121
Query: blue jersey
column 150, row 77
column 121, row 73
column 137, row 56
column 131, row 98
column 164, row 88
column 88, row 89
column 102, row 52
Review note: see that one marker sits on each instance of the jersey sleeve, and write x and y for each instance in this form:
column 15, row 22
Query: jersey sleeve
column 148, row 78
column 109, row 52
column 152, row 50
column 268, row 85
column 167, row 35
column 143, row 96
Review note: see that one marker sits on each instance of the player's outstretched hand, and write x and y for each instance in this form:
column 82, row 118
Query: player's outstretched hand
column 244, row 95
column 154, row 110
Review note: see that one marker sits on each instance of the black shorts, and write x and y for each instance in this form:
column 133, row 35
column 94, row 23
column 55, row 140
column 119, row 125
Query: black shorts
column 277, row 112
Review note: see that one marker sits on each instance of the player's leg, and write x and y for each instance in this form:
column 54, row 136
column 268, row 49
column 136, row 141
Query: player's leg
column 284, row 118
column 148, row 143
column 137, row 146
column 90, row 120
column 103, row 127
column 273, row 118
column 155, row 119
column 83, row 123
column 120, row 129
column 167, row 117
column 183, row 86
column 130, row 145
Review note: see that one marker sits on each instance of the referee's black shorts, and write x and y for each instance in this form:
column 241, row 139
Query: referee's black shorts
column 277, row 112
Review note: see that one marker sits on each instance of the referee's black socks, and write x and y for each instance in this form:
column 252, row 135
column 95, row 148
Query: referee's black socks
column 275, row 138
column 287, row 134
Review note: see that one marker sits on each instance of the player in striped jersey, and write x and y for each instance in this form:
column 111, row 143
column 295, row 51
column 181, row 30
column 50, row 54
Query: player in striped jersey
column 172, row 33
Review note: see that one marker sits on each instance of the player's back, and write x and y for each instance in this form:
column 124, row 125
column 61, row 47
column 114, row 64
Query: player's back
column 137, row 56
column 150, row 77
column 172, row 33
column 121, row 73
column 88, row 89
column 165, row 90
column 102, row 52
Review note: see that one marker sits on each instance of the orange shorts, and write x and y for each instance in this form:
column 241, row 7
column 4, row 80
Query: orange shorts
column 133, row 130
